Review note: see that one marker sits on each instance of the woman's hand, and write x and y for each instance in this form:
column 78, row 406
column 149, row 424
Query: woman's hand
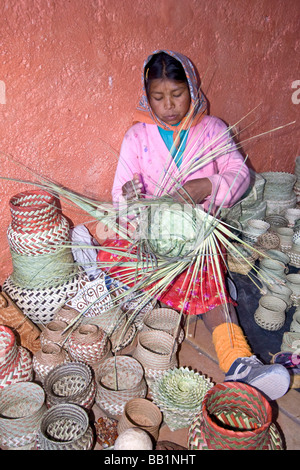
column 134, row 188
column 194, row 190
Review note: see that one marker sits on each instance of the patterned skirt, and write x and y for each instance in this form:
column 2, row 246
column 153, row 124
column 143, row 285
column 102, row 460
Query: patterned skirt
column 205, row 292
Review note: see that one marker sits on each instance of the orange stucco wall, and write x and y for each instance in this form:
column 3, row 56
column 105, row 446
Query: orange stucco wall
column 70, row 80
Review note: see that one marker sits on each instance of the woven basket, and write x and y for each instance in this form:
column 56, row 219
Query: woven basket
column 15, row 361
column 40, row 305
column 242, row 260
column 292, row 214
column 157, row 352
column 276, row 221
column 32, row 210
column 12, row 317
column 119, row 379
column 66, row 314
column 282, row 291
column 48, row 357
column 293, row 282
column 234, row 416
column 164, row 319
column 65, row 427
column 272, row 271
column 295, row 325
column 54, row 333
column 268, row 241
column 72, row 382
column 270, row 314
column 279, row 185
column 179, row 394
column 88, row 343
column 286, row 238
column 22, row 406
column 39, row 242
column 141, row 413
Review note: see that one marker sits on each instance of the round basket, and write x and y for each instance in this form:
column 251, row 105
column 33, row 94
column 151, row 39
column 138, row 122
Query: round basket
column 40, row 305
column 282, row 291
column 65, row 314
column 65, row 427
column 293, row 282
column 270, row 314
column 119, row 379
column 71, row 382
column 54, row 333
column 15, row 361
column 269, row 241
column 31, row 210
column 279, row 256
column 276, row 221
column 141, row 413
column 279, row 185
column 88, row 343
column 22, row 406
column 179, row 394
column 48, row 357
column 286, row 237
column 272, row 271
column 256, row 227
column 295, row 325
column 164, row 319
column 234, row 416
column 240, row 259
column 157, row 352
column 39, row 242
column 292, row 214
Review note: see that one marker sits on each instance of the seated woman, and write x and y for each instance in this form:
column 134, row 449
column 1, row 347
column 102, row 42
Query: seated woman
column 172, row 132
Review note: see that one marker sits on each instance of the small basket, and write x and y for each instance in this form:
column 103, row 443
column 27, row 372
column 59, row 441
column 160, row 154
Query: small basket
column 157, row 352
column 65, row 427
column 234, row 416
column 88, row 343
column 270, row 314
column 240, row 259
column 22, row 406
column 70, row 383
column 54, row 333
column 164, row 319
column 141, row 413
column 119, row 379
column 46, row 358
column 269, row 241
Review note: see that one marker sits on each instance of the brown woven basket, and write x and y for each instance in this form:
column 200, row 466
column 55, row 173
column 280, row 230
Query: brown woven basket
column 46, row 358
column 54, row 332
column 141, row 413
column 88, row 343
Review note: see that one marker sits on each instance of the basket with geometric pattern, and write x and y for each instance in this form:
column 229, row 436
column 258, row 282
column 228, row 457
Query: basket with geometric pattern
column 234, row 416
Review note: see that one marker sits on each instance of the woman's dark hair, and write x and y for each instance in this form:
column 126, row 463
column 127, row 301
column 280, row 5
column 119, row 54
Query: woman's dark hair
column 162, row 65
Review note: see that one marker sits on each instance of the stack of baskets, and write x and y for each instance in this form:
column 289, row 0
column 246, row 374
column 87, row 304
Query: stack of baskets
column 44, row 271
column 279, row 192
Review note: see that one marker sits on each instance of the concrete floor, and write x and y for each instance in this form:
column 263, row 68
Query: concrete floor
column 197, row 352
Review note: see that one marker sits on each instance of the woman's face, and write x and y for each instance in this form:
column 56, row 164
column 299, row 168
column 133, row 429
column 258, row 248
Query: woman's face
column 169, row 99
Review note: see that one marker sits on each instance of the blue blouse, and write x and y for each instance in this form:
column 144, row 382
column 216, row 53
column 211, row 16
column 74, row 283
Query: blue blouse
column 167, row 137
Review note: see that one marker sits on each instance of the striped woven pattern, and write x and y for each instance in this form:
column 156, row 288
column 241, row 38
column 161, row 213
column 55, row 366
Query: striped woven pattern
column 22, row 406
column 234, row 416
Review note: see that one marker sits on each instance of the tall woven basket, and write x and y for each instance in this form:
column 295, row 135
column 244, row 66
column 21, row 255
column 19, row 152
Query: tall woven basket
column 40, row 247
column 234, row 416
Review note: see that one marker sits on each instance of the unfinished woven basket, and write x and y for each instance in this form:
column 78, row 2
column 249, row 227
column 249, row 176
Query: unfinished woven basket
column 242, row 260
column 141, row 413
column 22, row 406
column 65, row 427
column 119, row 379
column 234, row 416
column 72, row 382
